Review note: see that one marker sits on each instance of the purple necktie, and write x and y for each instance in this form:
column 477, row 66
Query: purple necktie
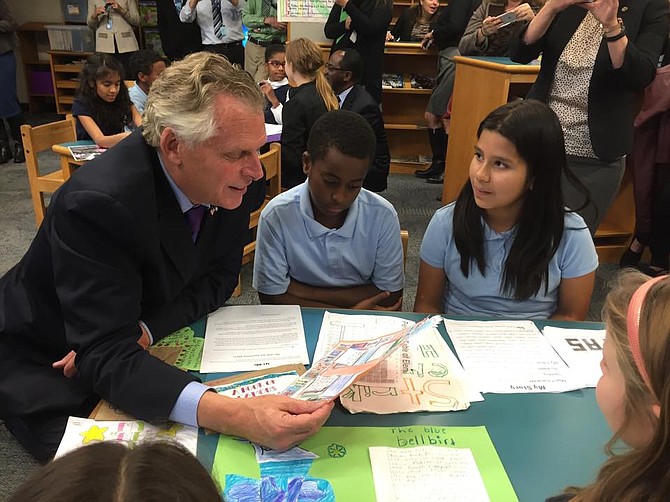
column 194, row 218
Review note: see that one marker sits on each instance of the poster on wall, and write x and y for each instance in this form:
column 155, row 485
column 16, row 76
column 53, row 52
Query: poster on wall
column 305, row 11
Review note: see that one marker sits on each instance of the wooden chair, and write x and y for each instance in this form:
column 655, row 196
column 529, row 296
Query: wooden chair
column 272, row 162
column 38, row 139
column 404, row 237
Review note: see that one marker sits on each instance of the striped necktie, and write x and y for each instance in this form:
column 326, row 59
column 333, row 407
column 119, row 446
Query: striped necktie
column 177, row 5
column 216, row 18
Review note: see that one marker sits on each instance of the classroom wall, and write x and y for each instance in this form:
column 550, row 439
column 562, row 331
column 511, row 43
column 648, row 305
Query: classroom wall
column 44, row 11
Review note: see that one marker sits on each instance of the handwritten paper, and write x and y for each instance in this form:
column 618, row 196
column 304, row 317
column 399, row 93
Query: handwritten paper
column 82, row 431
column 331, row 375
column 426, row 473
column 509, row 357
column 304, row 11
column 189, row 345
column 260, row 385
column 581, row 349
column 249, row 337
column 429, row 378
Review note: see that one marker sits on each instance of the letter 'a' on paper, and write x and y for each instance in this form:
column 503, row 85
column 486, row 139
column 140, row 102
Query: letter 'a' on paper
column 426, row 473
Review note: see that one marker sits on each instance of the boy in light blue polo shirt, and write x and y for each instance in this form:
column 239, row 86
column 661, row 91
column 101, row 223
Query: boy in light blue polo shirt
column 146, row 65
column 328, row 242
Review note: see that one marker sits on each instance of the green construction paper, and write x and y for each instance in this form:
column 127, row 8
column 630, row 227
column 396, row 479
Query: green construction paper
column 190, row 355
column 345, row 462
column 179, row 338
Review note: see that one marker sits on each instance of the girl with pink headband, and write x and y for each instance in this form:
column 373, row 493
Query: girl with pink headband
column 634, row 393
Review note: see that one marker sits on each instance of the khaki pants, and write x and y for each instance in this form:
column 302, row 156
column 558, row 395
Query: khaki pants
column 254, row 61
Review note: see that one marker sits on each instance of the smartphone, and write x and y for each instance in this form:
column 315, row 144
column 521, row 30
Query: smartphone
column 496, row 10
column 506, row 18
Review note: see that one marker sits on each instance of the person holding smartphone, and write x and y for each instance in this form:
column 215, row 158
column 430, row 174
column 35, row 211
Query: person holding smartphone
column 596, row 56
column 494, row 24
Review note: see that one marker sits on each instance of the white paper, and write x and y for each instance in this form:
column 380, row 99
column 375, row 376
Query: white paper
column 330, row 376
column 82, row 431
column 426, row 473
column 251, row 337
column 581, row 349
column 430, row 379
column 509, row 357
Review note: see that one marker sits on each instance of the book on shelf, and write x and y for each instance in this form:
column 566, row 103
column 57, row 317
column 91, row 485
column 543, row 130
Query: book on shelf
column 392, row 81
column 421, row 81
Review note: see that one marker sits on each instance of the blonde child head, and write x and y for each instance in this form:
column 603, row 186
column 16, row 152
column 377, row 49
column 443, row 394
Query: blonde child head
column 634, row 391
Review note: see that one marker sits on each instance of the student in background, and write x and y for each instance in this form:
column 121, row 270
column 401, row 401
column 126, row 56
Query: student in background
column 328, row 242
column 415, row 22
column 344, row 71
column 146, row 65
column 260, row 17
column 634, row 393
column 508, row 247
column 276, row 86
column 362, row 25
column 310, row 97
column 102, row 107
column 111, row 472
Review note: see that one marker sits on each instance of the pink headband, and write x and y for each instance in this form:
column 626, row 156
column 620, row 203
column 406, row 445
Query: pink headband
column 634, row 311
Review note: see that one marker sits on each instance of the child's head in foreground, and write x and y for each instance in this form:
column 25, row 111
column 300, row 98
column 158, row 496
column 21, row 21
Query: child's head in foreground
column 111, row 472
column 634, row 391
column 340, row 149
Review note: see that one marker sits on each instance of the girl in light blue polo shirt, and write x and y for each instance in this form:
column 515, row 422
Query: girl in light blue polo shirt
column 508, row 247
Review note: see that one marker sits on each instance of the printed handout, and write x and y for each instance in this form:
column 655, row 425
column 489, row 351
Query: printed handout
column 250, row 337
column 426, row 473
column 334, row 373
column 509, row 357
column 83, row 153
column 581, row 349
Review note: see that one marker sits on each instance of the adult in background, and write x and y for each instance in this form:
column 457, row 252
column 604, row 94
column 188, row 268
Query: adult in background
column 131, row 249
column 595, row 58
column 415, row 22
column 113, row 23
column 446, row 36
column 486, row 35
column 220, row 24
column 343, row 71
column 362, row 25
column 310, row 97
column 9, row 104
column 177, row 39
column 260, row 18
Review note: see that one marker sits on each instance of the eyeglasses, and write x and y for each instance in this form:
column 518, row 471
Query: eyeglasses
column 276, row 64
column 330, row 67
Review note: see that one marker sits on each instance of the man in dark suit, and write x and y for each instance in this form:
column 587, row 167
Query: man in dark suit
column 138, row 243
column 344, row 70
column 177, row 39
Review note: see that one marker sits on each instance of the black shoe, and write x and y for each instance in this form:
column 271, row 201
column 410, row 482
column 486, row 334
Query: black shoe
column 5, row 153
column 19, row 156
column 436, row 180
column 630, row 258
column 433, row 170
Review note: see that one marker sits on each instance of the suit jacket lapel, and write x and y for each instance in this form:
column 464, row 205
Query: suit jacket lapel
column 350, row 99
column 173, row 231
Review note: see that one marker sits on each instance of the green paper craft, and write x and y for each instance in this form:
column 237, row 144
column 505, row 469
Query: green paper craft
column 345, row 462
column 179, row 338
column 190, row 355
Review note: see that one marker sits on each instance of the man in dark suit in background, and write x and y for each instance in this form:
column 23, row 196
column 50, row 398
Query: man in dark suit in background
column 177, row 39
column 344, row 70
column 143, row 240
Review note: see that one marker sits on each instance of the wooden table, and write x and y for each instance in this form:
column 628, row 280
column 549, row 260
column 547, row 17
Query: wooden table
column 484, row 83
column 66, row 161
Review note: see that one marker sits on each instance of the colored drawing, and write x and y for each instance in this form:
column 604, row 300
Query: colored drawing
column 82, row 431
column 350, row 475
column 93, row 433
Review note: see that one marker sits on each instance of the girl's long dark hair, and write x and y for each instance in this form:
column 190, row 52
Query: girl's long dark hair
column 110, row 117
column 533, row 128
